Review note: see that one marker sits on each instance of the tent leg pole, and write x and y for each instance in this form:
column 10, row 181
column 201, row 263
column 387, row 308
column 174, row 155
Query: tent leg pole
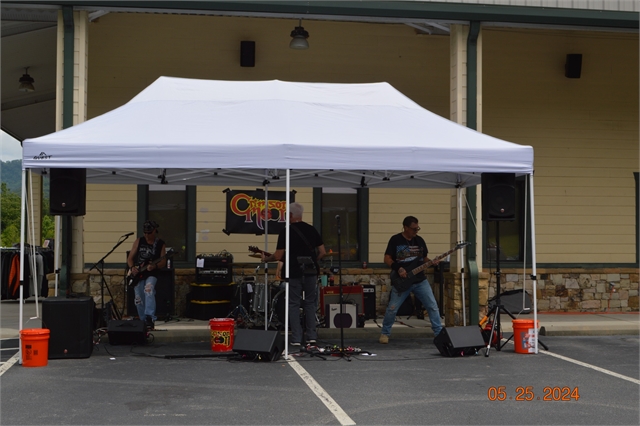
column 286, row 270
column 534, row 277
column 22, row 256
column 459, row 207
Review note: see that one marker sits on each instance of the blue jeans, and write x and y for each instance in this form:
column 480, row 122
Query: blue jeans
column 145, row 298
column 309, row 285
column 423, row 292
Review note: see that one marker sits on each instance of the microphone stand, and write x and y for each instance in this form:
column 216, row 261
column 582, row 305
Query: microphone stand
column 103, row 281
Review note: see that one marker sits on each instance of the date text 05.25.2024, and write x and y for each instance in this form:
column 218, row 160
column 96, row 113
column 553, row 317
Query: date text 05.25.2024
column 526, row 393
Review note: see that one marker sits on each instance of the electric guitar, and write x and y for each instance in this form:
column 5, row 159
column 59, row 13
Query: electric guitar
column 132, row 279
column 256, row 252
column 414, row 268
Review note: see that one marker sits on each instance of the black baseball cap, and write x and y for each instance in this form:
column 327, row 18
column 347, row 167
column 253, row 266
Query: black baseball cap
column 150, row 226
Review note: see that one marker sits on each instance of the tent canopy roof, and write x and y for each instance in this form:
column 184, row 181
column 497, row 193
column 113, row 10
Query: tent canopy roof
column 206, row 132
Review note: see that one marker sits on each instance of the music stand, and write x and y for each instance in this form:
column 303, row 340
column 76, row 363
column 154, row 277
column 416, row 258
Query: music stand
column 99, row 266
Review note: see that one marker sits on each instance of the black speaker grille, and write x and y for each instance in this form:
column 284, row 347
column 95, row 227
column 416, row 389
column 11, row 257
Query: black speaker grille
column 498, row 196
column 70, row 321
column 68, row 192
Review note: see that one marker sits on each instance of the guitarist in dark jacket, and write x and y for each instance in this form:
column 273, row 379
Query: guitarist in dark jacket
column 404, row 249
column 142, row 261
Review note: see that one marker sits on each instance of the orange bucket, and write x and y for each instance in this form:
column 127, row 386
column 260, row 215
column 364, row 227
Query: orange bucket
column 35, row 347
column 523, row 336
column 222, row 334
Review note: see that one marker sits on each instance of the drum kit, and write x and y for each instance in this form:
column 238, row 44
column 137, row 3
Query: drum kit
column 250, row 311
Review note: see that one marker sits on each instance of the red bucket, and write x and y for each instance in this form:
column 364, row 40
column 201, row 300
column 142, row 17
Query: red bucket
column 222, row 334
column 523, row 336
column 35, row 347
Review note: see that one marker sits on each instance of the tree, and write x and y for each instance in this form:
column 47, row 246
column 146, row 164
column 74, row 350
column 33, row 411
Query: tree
column 10, row 217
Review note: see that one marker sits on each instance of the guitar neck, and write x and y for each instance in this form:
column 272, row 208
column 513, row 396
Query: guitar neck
column 432, row 261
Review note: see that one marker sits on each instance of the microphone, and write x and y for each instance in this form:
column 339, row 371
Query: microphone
column 338, row 217
column 129, row 234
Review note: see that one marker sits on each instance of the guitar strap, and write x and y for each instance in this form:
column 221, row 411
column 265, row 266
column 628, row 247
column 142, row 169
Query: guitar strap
column 295, row 228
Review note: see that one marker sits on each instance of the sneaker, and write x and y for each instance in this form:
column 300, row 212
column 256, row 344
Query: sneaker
column 384, row 339
column 294, row 343
column 311, row 341
column 148, row 322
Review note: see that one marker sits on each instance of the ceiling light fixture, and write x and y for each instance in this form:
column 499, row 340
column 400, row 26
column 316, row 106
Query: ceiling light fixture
column 26, row 82
column 300, row 36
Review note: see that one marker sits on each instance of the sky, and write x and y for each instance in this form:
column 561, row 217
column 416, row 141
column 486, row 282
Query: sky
column 11, row 148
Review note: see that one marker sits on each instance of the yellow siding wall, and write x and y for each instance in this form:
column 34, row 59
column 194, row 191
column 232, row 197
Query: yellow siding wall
column 111, row 213
column 584, row 133
column 387, row 209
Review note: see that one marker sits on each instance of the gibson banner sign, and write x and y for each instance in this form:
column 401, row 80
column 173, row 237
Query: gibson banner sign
column 246, row 212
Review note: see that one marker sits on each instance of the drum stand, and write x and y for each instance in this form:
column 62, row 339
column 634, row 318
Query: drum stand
column 239, row 313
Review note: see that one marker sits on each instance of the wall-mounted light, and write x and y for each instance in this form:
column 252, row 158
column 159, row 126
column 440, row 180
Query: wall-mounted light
column 299, row 38
column 26, row 82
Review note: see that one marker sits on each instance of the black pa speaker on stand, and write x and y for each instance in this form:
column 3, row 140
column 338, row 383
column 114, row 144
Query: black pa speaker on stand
column 459, row 341
column 68, row 192
column 498, row 196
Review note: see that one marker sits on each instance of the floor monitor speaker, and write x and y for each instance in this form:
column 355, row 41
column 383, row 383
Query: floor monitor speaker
column 498, row 196
column 68, row 192
column 459, row 341
column 70, row 323
column 126, row 332
column 263, row 345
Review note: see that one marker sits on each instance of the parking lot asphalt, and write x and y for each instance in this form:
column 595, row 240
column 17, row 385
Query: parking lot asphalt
column 581, row 379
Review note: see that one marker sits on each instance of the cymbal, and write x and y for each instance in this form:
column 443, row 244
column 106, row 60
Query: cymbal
column 256, row 255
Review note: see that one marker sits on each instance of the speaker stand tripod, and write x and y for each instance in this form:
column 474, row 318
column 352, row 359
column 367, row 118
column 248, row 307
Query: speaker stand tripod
column 498, row 308
column 342, row 351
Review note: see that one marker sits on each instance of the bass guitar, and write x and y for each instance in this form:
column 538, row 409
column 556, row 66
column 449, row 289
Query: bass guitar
column 132, row 279
column 415, row 267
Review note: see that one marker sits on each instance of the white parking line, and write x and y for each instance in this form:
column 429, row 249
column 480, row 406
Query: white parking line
column 593, row 367
column 7, row 365
column 337, row 411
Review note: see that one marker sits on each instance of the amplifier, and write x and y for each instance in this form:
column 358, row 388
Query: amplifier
column 350, row 294
column 214, row 269
column 348, row 318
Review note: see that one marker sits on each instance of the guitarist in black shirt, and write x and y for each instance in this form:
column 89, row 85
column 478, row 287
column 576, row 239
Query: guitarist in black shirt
column 405, row 251
column 143, row 266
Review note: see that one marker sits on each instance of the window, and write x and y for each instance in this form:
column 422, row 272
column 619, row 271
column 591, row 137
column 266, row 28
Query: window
column 345, row 203
column 512, row 233
column 173, row 207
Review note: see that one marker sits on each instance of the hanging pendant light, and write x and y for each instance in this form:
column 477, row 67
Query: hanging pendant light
column 26, row 82
column 299, row 38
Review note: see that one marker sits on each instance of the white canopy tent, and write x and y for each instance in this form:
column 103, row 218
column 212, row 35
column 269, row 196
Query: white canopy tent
column 203, row 132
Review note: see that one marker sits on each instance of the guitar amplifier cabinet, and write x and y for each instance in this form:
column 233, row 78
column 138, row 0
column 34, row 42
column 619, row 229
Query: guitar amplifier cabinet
column 346, row 319
column 350, row 294
column 214, row 269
